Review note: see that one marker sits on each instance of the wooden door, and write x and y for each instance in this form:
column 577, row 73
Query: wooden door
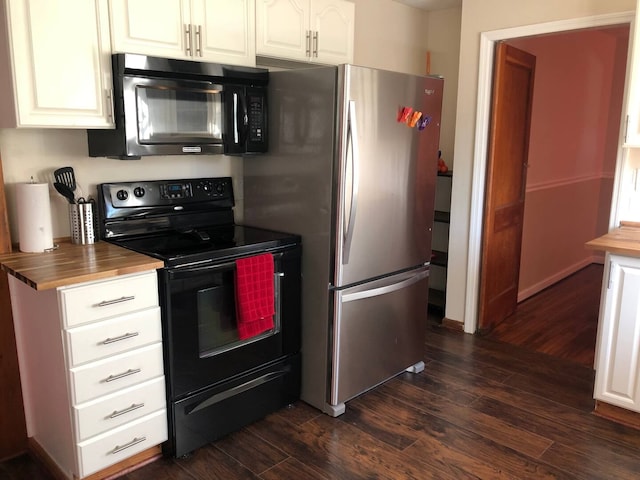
column 514, row 72
column 13, row 440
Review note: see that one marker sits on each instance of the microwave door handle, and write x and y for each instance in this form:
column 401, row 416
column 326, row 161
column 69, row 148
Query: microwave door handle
column 236, row 117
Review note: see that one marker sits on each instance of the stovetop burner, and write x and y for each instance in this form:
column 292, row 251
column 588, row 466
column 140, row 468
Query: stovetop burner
column 180, row 221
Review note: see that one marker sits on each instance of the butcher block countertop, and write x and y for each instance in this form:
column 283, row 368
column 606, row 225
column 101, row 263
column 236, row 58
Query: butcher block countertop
column 624, row 240
column 71, row 263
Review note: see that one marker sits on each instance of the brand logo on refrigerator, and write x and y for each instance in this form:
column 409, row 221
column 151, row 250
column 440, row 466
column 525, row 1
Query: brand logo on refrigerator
column 429, row 91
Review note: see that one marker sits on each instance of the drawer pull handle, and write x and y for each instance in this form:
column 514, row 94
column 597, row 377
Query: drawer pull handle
column 131, row 371
column 107, row 341
column 133, row 407
column 133, row 442
column 106, row 303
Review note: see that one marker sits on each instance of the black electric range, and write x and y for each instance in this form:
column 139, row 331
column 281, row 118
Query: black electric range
column 217, row 380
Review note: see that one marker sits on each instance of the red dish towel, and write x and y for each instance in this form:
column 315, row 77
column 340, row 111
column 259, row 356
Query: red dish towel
column 254, row 295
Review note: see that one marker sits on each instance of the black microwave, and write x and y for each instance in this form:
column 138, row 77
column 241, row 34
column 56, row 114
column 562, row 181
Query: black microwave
column 178, row 107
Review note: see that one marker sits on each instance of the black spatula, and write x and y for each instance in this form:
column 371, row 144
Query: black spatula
column 66, row 176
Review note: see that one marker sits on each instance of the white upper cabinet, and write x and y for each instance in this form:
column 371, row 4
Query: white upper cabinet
column 617, row 379
column 221, row 31
column 306, row 30
column 56, row 64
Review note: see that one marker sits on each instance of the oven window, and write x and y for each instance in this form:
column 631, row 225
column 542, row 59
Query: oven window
column 213, row 296
column 216, row 319
column 178, row 115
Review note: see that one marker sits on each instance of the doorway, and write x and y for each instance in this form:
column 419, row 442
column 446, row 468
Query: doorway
column 488, row 41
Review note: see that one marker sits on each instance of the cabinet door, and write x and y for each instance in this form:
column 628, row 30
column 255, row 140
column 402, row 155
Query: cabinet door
column 282, row 29
column 61, row 63
column 332, row 24
column 617, row 379
column 224, row 31
column 151, row 27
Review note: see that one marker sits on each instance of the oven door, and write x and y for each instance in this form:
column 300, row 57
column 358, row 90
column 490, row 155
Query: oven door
column 201, row 338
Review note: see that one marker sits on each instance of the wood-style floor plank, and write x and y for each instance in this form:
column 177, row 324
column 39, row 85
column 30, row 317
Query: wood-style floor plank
column 481, row 409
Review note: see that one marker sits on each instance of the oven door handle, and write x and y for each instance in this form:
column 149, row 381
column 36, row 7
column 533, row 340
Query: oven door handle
column 187, row 271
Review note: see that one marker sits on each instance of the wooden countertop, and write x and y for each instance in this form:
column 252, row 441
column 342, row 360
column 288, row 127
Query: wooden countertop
column 624, row 240
column 71, row 263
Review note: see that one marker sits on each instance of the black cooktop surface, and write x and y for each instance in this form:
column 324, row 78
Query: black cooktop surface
column 206, row 243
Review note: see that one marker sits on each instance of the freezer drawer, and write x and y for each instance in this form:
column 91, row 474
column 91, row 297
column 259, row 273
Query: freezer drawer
column 379, row 332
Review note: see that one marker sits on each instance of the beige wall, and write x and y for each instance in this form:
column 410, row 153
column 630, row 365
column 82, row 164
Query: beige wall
column 443, row 41
column 390, row 36
column 482, row 16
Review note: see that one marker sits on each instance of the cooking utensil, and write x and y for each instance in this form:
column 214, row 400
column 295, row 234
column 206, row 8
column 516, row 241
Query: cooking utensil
column 65, row 191
column 66, row 176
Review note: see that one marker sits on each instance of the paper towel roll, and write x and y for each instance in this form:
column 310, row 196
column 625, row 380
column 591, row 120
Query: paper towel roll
column 34, row 217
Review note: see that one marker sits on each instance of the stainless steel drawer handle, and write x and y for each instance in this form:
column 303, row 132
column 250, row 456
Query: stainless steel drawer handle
column 107, row 341
column 133, row 442
column 131, row 371
column 106, row 303
column 134, row 406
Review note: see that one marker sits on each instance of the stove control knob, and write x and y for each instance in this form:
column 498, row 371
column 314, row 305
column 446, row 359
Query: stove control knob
column 206, row 187
column 122, row 195
column 138, row 192
column 220, row 188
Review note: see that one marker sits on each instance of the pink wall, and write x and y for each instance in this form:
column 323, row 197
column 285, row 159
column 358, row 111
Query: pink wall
column 573, row 146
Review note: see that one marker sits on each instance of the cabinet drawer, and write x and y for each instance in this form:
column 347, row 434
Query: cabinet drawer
column 94, row 301
column 113, row 410
column 120, row 371
column 123, row 442
column 115, row 335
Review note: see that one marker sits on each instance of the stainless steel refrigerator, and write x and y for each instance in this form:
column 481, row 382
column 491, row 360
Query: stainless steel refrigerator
column 351, row 167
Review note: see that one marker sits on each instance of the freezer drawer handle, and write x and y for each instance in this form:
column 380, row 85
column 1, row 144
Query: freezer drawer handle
column 349, row 297
column 133, row 442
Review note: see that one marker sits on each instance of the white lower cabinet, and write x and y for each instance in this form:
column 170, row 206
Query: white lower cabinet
column 617, row 379
column 91, row 368
column 119, row 444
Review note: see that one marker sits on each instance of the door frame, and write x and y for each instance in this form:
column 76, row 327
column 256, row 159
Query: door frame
column 483, row 116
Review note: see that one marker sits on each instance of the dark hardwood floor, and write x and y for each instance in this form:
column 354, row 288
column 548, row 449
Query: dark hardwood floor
column 561, row 320
column 482, row 409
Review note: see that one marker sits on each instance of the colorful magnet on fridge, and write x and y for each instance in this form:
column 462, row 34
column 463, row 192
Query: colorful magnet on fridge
column 424, row 121
column 404, row 113
column 411, row 121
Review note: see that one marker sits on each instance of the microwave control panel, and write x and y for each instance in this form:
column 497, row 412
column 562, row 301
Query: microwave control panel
column 256, row 117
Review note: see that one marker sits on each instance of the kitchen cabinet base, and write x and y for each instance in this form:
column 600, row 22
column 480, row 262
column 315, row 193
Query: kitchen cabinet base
column 617, row 414
column 132, row 463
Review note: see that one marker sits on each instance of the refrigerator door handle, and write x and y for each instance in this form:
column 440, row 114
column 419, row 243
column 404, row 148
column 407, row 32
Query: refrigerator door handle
column 352, row 139
column 414, row 277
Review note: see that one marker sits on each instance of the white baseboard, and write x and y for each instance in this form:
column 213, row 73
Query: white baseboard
column 547, row 282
